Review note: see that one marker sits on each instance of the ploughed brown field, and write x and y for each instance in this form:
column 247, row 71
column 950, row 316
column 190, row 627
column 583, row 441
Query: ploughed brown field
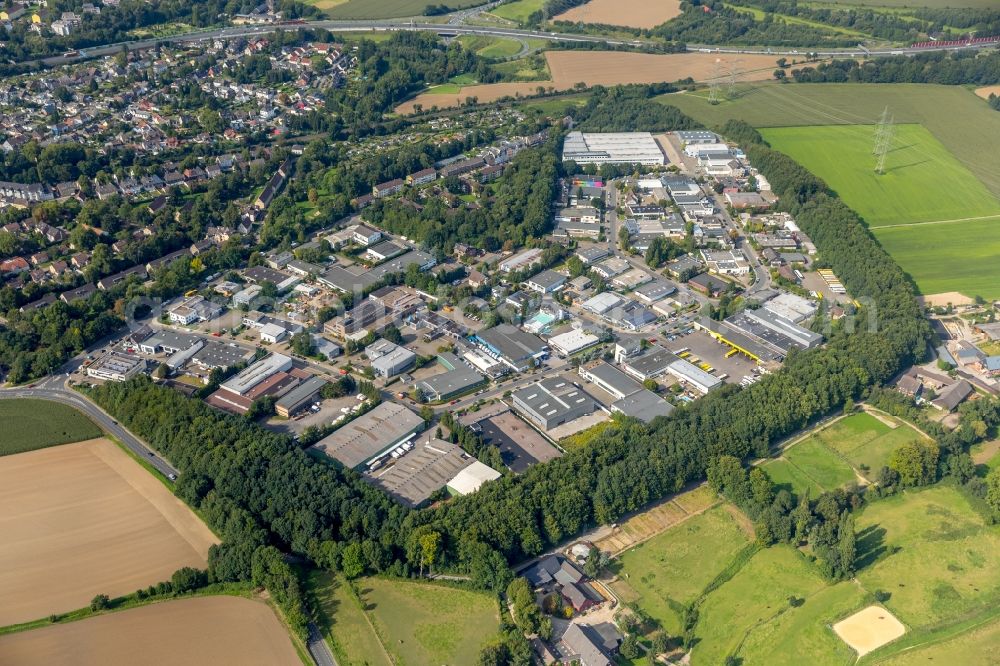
column 628, row 13
column 83, row 519
column 201, row 631
column 609, row 68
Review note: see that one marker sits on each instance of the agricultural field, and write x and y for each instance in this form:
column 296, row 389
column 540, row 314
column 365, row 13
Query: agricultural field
column 961, row 121
column 242, row 631
column 567, row 68
column 949, row 257
column 381, row 9
column 627, row 13
column 343, row 622
column 670, row 570
column 428, row 624
column 518, row 11
column 34, row 424
column 922, row 181
column 85, row 519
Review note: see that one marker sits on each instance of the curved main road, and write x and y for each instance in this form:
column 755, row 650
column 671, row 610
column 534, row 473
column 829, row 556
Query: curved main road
column 52, row 390
column 446, row 28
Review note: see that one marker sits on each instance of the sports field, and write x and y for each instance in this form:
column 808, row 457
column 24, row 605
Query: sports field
column 34, row 424
column 628, row 13
column 201, row 631
column 427, row 624
column 380, row 9
column 85, row 519
column 669, row 571
column 922, row 182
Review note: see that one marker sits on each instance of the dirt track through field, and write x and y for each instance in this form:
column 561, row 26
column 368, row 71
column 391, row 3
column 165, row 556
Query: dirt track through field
column 84, row 519
column 203, row 631
column 628, row 13
column 609, row 68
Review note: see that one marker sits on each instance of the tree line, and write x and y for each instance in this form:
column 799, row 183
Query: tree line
column 947, row 68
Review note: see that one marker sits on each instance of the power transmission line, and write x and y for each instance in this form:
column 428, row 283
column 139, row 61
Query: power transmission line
column 884, row 145
column 880, row 128
column 734, row 75
column 713, row 86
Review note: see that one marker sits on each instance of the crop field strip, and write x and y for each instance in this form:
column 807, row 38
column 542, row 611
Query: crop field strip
column 34, row 424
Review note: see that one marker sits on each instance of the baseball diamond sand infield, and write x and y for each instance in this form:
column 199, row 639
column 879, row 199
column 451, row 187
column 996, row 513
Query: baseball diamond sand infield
column 869, row 629
column 629, row 13
column 84, row 519
column 202, row 631
column 610, row 68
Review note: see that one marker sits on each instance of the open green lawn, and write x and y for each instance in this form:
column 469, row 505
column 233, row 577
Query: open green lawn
column 423, row 624
column 491, row 47
column 518, row 11
column 955, row 256
column 670, row 570
column 379, row 9
column 864, row 440
column 947, row 566
column 35, row 424
column 343, row 622
column 922, row 182
column 977, row 647
column 803, row 635
column 754, row 597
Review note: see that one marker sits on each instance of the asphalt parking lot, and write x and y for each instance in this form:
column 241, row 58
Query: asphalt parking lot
column 710, row 351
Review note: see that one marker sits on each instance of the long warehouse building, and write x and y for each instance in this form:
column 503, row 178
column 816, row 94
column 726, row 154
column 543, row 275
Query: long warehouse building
column 613, row 148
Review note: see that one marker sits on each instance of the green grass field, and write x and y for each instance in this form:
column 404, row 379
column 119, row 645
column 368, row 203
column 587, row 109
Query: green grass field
column 491, row 47
column 786, row 475
column 518, row 11
column 427, row 624
column 670, row 570
column 380, row 9
column 343, row 622
column 922, row 181
column 947, row 567
column 962, row 122
column 820, row 464
column 956, row 256
column 978, row 647
column 757, row 595
column 866, row 441
column 35, row 424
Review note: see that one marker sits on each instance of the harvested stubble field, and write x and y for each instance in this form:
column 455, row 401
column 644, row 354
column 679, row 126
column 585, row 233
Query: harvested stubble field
column 607, row 68
column 85, row 519
column 201, row 631
column 628, row 13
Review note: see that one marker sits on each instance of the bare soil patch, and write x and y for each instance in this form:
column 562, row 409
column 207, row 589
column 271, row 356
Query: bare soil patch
column 609, row 68
column 944, row 298
column 986, row 452
column 647, row 524
column 869, row 629
column 195, row 632
column 628, row 13
column 85, row 519
column 986, row 91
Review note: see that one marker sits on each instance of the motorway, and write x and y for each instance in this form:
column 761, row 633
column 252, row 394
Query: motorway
column 52, row 389
column 458, row 29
